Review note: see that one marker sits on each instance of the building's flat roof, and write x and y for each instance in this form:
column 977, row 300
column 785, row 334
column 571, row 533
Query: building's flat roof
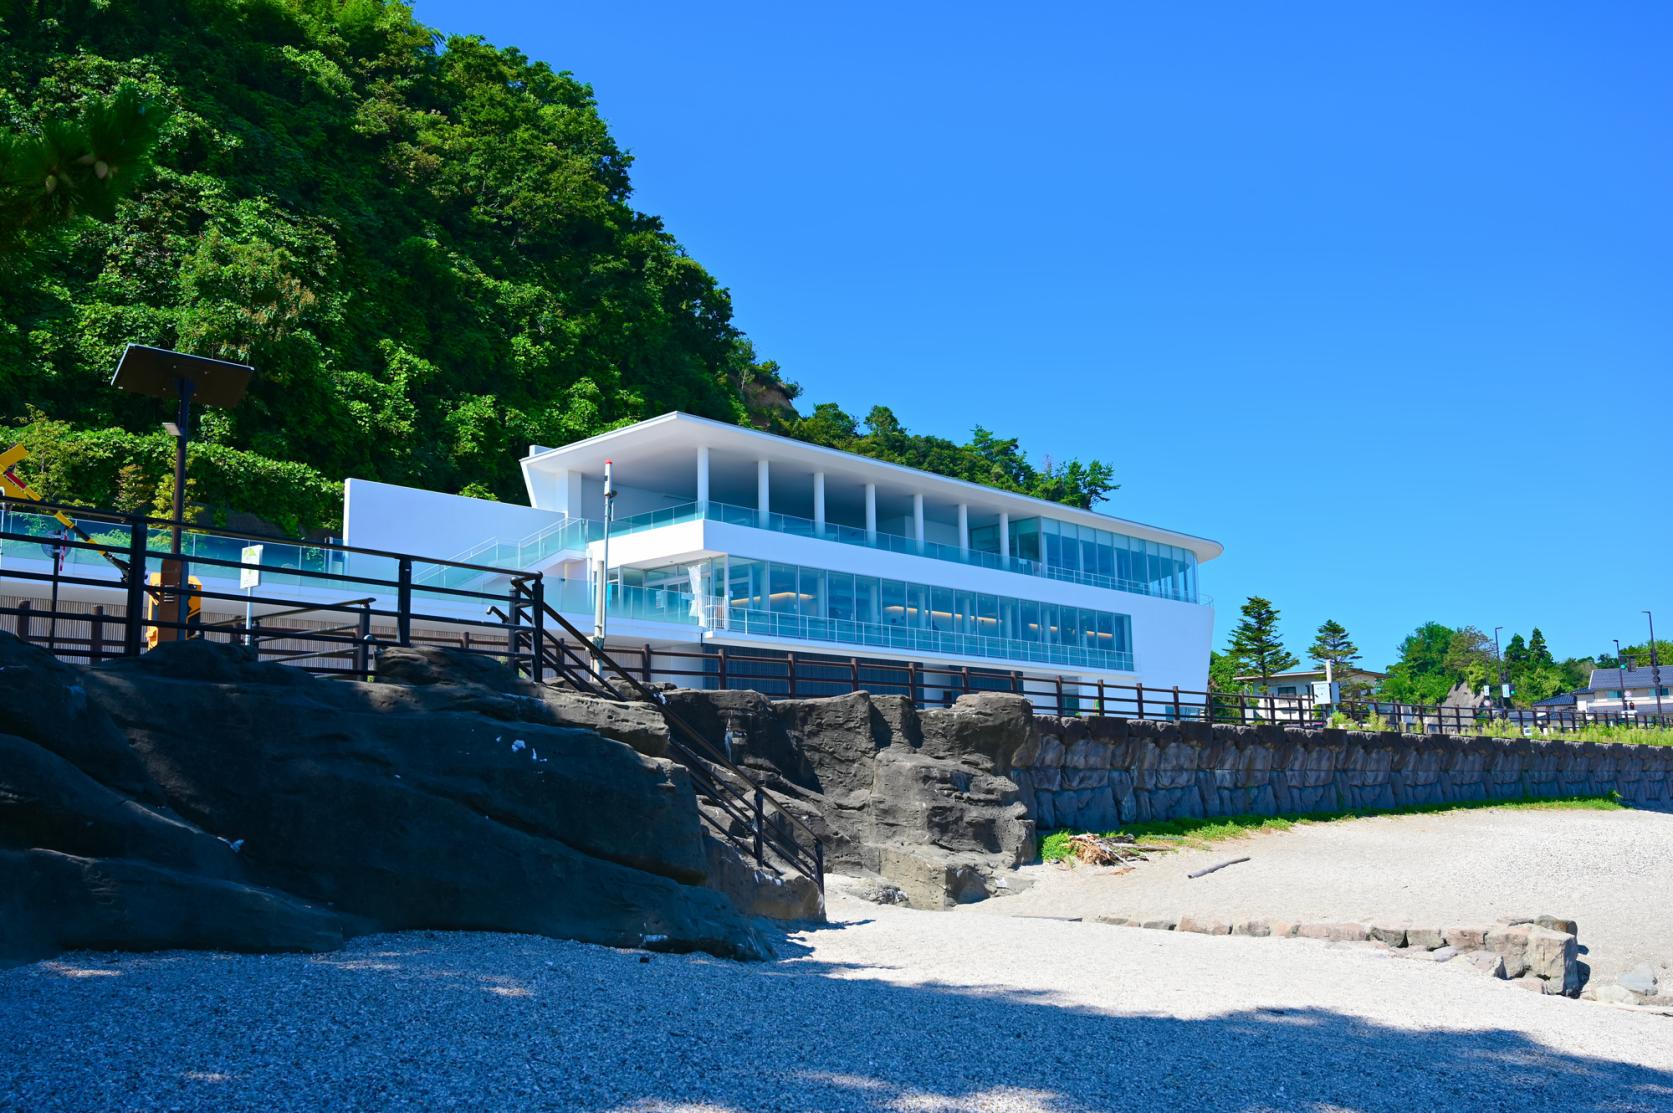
column 662, row 446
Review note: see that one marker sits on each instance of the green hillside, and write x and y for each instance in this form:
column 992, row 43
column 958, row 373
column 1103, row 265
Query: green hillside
column 426, row 246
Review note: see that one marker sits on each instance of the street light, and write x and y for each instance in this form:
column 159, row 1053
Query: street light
column 1655, row 664
column 182, row 378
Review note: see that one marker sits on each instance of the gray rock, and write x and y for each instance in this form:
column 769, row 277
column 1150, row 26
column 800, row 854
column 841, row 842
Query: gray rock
column 1488, row 963
column 1256, row 928
column 1429, row 938
column 1554, row 957
column 1334, row 933
column 1203, row 925
column 1465, row 938
column 1160, row 923
column 1615, row 995
column 1510, row 942
column 1392, row 934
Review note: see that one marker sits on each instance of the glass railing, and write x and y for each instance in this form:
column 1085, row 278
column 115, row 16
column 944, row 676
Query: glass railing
column 891, row 542
column 871, row 634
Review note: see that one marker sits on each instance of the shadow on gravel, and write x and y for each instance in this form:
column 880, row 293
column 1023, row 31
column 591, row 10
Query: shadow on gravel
column 515, row 1023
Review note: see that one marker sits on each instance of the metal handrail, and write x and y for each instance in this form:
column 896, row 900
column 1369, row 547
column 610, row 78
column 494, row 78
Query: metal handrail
column 697, row 746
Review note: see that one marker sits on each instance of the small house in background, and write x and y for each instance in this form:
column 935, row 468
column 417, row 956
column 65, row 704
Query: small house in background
column 1299, row 683
column 1613, row 692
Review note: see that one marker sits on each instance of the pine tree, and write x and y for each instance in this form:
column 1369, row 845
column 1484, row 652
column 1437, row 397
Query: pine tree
column 1255, row 642
column 1333, row 644
column 1538, row 652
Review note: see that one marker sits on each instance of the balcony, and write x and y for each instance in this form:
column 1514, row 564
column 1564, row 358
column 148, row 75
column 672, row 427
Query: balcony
column 891, row 542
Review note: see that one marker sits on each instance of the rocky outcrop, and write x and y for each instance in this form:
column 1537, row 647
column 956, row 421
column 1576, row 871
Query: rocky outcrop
column 917, row 798
column 195, row 797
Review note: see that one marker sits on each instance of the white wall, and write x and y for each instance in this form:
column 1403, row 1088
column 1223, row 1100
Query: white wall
column 430, row 523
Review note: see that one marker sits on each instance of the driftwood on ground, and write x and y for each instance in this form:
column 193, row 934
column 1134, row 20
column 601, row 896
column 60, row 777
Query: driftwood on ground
column 1109, row 850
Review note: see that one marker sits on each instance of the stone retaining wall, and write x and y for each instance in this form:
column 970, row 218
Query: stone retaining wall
column 1096, row 774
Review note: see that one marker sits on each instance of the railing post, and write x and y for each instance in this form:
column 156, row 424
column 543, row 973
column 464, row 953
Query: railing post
column 131, row 639
column 96, row 637
column 854, row 674
column 966, row 679
column 362, row 643
column 1016, row 681
column 1176, row 714
column 912, row 682
column 1139, row 700
column 537, row 651
column 721, row 668
column 760, row 813
column 1060, row 710
column 403, row 603
column 790, row 672
column 23, row 621
column 1103, row 708
column 645, row 664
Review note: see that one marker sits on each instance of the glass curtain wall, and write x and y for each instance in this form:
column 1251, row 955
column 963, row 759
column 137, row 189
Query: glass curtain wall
column 756, row 587
column 1145, row 566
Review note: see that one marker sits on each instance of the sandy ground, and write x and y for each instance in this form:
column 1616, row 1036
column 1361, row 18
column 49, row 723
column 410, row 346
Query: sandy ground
column 885, row 1009
column 1610, row 871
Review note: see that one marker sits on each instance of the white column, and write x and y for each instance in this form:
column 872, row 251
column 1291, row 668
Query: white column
column 1005, row 536
column 702, row 478
column 763, row 499
column 963, row 528
column 918, row 521
column 819, row 503
column 871, row 512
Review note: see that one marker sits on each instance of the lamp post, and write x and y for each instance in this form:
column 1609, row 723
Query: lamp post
column 182, row 379
column 1655, row 664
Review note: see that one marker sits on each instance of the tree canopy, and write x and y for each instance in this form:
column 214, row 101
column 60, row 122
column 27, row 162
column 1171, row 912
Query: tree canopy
column 1256, row 645
column 425, row 244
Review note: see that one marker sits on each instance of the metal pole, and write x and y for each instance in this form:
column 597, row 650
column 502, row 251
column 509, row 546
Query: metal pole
column 602, row 579
column 183, row 423
column 1499, row 660
column 1655, row 663
column 1621, row 675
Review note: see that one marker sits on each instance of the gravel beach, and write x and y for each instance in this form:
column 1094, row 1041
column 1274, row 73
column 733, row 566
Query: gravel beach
column 1610, row 871
column 885, row 1009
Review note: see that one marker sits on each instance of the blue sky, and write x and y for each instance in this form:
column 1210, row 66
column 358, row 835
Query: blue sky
column 1380, row 296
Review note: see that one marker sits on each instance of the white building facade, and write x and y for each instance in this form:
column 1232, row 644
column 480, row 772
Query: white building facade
column 727, row 537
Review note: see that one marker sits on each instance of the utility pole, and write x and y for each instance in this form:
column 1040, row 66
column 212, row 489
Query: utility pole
column 1655, row 663
column 1499, row 660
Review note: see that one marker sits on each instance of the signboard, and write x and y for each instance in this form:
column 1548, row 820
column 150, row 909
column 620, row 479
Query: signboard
column 249, row 575
column 1327, row 691
column 14, row 485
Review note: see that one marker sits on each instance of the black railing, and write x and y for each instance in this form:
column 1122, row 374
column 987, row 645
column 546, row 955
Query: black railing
column 751, row 815
column 361, row 598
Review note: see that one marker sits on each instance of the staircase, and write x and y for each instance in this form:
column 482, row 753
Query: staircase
column 733, row 803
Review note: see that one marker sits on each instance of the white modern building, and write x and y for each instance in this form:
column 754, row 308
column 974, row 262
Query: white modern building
column 724, row 536
column 726, row 541
column 1627, row 691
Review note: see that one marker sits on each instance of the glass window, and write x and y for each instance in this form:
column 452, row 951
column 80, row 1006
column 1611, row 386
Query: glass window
column 839, row 597
column 941, row 609
column 1030, row 621
column 781, row 588
column 813, row 593
column 894, row 603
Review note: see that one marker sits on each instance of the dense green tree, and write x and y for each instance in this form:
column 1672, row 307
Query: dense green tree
column 1516, row 652
column 1223, row 672
column 1255, row 642
column 995, row 461
column 426, row 245
column 1538, row 652
column 1421, row 674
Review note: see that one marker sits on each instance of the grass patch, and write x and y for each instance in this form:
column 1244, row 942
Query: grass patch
column 1500, row 728
column 1199, row 833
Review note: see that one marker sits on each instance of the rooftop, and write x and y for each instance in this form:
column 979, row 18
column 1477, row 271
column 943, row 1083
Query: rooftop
column 658, row 454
